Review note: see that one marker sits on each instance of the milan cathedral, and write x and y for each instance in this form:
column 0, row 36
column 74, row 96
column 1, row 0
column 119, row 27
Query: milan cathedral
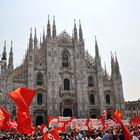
column 68, row 81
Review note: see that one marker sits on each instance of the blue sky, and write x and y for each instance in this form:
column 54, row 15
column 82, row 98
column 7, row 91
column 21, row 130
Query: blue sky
column 116, row 23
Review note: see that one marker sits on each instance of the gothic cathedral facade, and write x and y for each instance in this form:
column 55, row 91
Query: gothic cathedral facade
column 68, row 81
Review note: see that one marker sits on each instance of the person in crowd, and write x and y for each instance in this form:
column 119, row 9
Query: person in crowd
column 106, row 135
column 135, row 136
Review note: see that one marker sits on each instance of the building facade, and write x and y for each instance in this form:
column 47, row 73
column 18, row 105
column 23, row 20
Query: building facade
column 131, row 108
column 68, row 81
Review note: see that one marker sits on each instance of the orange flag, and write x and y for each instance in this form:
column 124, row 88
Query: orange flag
column 126, row 133
column 118, row 113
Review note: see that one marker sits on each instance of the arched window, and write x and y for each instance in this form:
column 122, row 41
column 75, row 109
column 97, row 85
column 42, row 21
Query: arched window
column 66, row 84
column 39, row 98
column 91, row 81
column 39, row 79
column 65, row 59
column 107, row 99
column 92, row 99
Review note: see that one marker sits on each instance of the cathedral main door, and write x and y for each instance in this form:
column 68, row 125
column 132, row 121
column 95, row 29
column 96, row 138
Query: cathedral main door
column 39, row 120
column 67, row 112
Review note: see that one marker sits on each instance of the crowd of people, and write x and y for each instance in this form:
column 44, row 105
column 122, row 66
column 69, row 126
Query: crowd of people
column 14, row 135
column 109, row 134
column 24, row 130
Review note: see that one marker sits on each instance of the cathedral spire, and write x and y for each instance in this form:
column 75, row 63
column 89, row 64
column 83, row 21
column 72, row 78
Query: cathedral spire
column 35, row 37
column 11, row 49
column 80, row 32
column 48, row 28
column 54, row 28
column 40, row 39
column 96, row 48
column 75, row 31
column 117, row 69
column 30, row 34
column 10, row 64
column 43, row 34
column 117, row 84
column 35, row 40
column 30, row 40
column 105, row 69
column 4, row 51
column 112, row 64
column 99, row 73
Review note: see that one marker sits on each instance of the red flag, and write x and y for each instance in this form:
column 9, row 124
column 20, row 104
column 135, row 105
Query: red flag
column 70, row 121
column 102, row 117
column 79, row 124
column 104, row 114
column 51, row 135
column 91, row 124
column 27, row 95
column 126, row 133
column 103, row 122
column 136, row 121
column 131, row 122
column 23, row 98
column 13, row 124
column 24, row 122
column 4, row 119
column 44, row 129
column 64, row 123
column 52, row 121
